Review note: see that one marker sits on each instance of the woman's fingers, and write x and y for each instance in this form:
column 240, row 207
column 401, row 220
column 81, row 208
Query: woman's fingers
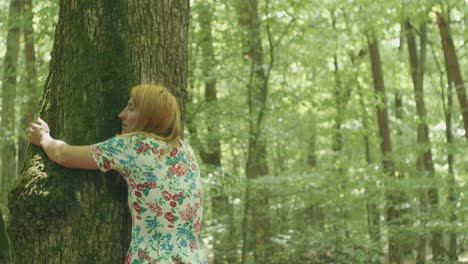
column 37, row 121
column 36, row 130
column 42, row 122
column 43, row 125
column 39, row 125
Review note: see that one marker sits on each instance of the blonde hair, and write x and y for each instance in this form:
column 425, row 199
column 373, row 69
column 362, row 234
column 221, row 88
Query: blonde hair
column 158, row 112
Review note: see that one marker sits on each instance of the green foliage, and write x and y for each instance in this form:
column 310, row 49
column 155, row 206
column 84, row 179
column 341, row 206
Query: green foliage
column 319, row 212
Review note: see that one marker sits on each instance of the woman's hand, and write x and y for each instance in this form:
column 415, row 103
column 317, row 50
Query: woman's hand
column 38, row 132
column 77, row 157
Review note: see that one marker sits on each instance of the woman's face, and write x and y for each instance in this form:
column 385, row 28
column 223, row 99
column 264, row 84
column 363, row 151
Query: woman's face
column 129, row 117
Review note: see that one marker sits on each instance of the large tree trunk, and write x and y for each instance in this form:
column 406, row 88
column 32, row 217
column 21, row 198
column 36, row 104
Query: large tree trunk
column 394, row 197
column 7, row 124
column 453, row 67
column 101, row 49
column 256, row 224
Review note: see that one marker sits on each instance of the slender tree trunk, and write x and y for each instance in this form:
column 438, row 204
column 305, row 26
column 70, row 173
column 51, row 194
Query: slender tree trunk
column 453, row 67
column 452, row 195
column 256, row 223
column 409, row 238
column 451, row 199
column 452, row 252
column 425, row 164
column 454, row 77
column 338, row 137
column 224, row 247
column 4, row 244
column 312, row 158
column 394, row 197
column 337, row 148
column 312, row 151
column 101, row 49
column 399, row 110
column 314, row 213
column 373, row 212
column 31, row 91
column 398, row 101
column 212, row 153
column 416, row 67
column 342, row 94
column 7, row 124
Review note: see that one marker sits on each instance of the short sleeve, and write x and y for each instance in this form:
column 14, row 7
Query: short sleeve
column 113, row 154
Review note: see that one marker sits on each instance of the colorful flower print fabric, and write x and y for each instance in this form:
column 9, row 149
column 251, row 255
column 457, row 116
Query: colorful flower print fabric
column 164, row 197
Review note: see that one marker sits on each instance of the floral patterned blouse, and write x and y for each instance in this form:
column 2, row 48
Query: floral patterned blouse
column 164, row 197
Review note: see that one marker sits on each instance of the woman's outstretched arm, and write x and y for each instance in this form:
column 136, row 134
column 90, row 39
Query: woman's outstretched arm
column 76, row 157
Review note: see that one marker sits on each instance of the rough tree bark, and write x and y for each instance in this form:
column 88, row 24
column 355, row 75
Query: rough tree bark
column 101, row 49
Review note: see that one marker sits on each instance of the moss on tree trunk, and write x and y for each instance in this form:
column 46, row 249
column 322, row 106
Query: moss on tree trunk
column 101, row 49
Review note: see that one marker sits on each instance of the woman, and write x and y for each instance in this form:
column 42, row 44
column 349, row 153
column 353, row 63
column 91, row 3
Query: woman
column 163, row 177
